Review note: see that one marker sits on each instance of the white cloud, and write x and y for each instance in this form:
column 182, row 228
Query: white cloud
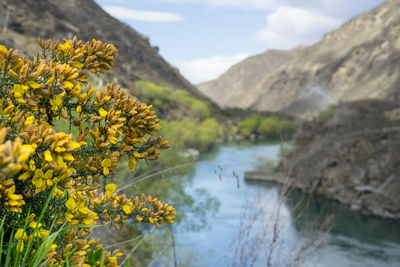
column 250, row 4
column 134, row 14
column 339, row 8
column 205, row 69
column 288, row 27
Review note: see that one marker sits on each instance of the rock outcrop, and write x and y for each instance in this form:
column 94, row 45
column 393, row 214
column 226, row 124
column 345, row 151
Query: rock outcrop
column 351, row 154
column 359, row 60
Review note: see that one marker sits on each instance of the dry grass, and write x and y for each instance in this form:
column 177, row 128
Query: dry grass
column 266, row 237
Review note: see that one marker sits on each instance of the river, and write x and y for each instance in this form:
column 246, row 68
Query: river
column 247, row 229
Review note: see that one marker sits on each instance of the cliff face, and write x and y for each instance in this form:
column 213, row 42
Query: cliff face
column 351, row 154
column 360, row 60
column 62, row 19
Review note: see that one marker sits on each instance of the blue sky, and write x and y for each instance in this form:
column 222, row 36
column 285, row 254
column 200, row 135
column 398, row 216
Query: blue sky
column 203, row 38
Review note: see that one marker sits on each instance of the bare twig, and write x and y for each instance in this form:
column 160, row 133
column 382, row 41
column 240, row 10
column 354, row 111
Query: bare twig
column 158, row 256
column 136, row 246
column 141, row 179
column 124, row 242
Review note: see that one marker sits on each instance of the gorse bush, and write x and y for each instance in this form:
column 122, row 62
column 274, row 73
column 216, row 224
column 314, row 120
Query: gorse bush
column 56, row 182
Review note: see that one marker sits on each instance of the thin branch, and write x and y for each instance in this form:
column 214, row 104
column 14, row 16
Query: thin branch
column 152, row 175
column 136, row 246
column 124, row 242
column 158, row 255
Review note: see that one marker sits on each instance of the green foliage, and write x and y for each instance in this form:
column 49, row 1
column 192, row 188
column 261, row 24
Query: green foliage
column 273, row 126
column 200, row 108
column 191, row 134
column 164, row 98
column 269, row 126
column 249, row 125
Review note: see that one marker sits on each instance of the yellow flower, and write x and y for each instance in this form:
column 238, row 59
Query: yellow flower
column 127, row 209
column 20, row 234
column 33, row 85
column 110, row 188
column 68, row 84
column 32, row 165
column 26, row 152
column 20, row 246
column 3, row 49
column 43, row 233
column 9, row 109
column 139, row 218
column 106, row 164
column 24, row 176
column 132, row 164
column 51, row 80
column 35, row 225
column 164, row 142
column 41, row 180
column 29, row 120
column 112, row 139
column 47, row 156
column 65, row 46
column 103, row 112
column 70, row 204
column 68, row 156
column 19, row 90
column 77, row 65
column 79, row 108
column 74, row 145
column 56, row 103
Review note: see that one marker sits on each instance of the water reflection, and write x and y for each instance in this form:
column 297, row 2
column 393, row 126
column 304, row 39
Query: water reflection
column 354, row 240
column 359, row 238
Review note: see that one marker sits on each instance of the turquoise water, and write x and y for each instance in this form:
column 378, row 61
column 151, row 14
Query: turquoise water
column 242, row 231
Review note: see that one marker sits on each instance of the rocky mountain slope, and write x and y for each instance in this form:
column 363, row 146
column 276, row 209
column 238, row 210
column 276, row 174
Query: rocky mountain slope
column 234, row 88
column 351, row 154
column 359, row 60
column 62, row 19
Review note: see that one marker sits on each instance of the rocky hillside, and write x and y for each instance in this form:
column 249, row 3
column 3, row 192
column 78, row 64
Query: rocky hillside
column 60, row 19
column 351, row 154
column 359, row 60
column 235, row 87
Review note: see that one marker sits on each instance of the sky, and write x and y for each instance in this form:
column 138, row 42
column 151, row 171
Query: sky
column 203, row 38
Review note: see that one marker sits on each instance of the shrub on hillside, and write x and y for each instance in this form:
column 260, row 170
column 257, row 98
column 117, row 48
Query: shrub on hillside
column 162, row 97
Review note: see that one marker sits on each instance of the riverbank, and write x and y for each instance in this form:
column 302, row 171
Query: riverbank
column 351, row 154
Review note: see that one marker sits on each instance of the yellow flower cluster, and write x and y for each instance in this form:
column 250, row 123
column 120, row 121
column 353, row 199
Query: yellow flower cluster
column 12, row 156
column 36, row 160
column 119, row 208
column 35, row 231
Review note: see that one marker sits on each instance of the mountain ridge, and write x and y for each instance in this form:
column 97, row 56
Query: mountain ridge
column 361, row 59
column 56, row 19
